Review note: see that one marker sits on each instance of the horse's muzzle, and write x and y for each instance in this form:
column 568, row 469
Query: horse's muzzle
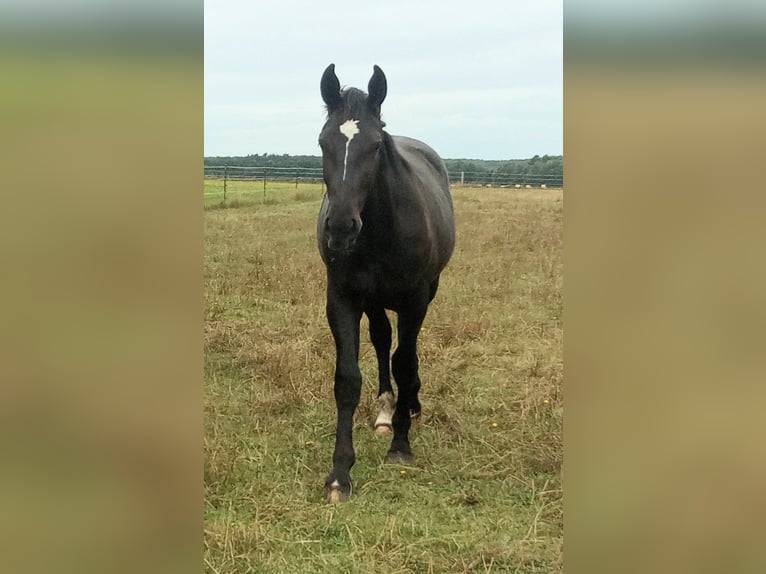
column 341, row 236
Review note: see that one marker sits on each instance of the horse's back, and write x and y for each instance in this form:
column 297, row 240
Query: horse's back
column 424, row 160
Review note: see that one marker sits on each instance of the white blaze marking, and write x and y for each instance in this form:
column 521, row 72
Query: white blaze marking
column 349, row 129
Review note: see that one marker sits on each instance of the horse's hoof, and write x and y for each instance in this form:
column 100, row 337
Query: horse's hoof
column 397, row 457
column 335, row 496
column 383, row 430
column 335, row 493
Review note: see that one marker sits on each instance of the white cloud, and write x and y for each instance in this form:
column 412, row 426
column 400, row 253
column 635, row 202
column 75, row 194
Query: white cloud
column 454, row 70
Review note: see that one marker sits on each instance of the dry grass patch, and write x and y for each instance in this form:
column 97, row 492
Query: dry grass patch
column 485, row 492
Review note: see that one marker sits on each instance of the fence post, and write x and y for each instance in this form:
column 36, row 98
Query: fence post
column 225, row 174
column 297, row 171
column 264, row 183
column 462, row 178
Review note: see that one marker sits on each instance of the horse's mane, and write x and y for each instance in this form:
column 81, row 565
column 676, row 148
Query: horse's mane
column 354, row 103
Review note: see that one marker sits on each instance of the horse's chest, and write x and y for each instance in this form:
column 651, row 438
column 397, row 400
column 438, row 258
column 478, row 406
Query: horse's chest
column 371, row 279
column 376, row 282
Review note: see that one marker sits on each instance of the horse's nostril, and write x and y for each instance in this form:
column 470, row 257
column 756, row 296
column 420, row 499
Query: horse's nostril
column 345, row 226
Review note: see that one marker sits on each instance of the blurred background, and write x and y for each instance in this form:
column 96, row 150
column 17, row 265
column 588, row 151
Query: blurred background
column 100, row 296
column 101, row 110
column 665, row 276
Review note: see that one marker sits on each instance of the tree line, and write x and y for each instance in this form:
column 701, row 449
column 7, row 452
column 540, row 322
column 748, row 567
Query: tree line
column 538, row 169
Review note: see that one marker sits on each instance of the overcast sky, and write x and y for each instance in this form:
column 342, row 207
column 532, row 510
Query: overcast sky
column 479, row 79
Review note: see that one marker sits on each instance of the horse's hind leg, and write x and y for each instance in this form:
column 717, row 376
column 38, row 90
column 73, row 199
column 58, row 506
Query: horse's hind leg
column 380, row 334
column 414, row 400
column 405, row 369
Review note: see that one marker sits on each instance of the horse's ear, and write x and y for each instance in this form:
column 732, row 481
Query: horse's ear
column 376, row 89
column 330, row 87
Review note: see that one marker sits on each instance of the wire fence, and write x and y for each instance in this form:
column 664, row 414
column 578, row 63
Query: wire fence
column 314, row 174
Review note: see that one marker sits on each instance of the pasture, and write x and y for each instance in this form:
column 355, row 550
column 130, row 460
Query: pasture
column 485, row 492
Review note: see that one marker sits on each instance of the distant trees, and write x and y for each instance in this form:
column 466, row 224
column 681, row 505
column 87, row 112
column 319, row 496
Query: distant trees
column 546, row 169
column 266, row 160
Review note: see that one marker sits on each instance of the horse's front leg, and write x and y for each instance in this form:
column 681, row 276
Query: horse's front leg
column 343, row 316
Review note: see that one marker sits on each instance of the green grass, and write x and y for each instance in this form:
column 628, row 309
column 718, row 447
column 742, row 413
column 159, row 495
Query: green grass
column 485, row 492
column 250, row 193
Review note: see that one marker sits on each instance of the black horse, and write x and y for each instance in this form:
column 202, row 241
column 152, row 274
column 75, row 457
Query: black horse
column 385, row 233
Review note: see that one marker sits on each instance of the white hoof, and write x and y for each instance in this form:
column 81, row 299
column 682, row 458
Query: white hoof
column 384, row 423
column 335, row 493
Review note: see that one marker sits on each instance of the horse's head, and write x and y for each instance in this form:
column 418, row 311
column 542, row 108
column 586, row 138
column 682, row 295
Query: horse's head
column 351, row 142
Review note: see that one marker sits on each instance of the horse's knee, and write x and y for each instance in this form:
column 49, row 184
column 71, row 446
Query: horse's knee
column 348, row 387
column 348, row 378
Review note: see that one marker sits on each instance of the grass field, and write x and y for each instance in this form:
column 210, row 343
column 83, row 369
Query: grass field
column 485, row 493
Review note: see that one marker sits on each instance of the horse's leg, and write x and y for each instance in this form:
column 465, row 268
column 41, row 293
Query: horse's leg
column 415, row 402
column 343, row 317
column 380, row 335
column 404, row 365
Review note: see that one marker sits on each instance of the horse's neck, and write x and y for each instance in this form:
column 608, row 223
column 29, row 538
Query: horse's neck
column 394, row 178
column 393, row 205
column 388, row 184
